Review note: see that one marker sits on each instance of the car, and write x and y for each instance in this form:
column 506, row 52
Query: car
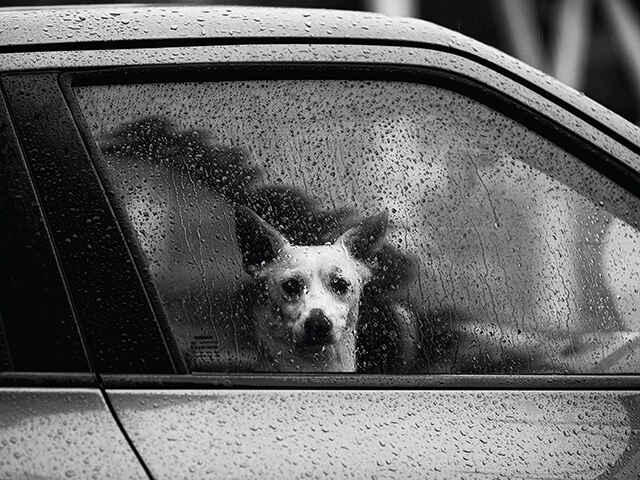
column 495, row 332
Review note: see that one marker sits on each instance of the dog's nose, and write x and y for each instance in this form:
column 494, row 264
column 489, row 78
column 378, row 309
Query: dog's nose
column 317, row 328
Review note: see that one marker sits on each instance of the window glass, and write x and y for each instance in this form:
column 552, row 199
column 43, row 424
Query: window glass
column 370, row 226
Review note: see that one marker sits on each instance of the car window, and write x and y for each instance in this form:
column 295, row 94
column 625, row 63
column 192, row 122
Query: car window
column 370, row 226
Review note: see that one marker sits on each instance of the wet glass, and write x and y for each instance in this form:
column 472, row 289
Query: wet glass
column 370, row 226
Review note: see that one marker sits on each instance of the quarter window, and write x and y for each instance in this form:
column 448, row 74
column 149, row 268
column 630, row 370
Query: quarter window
column 371, row 226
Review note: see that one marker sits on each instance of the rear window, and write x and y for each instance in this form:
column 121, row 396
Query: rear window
column 369, row 226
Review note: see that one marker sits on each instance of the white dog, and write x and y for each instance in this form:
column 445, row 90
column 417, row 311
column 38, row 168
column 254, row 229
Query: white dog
column 305, row 319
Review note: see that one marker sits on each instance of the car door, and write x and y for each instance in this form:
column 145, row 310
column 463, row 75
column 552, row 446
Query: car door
column 54, row 420
column 513, row 245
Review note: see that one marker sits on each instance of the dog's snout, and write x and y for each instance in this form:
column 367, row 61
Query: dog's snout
column 317, row 328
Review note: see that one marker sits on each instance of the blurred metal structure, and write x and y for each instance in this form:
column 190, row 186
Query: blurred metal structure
column 571, row 25
column 395, row 8
column 626, row 27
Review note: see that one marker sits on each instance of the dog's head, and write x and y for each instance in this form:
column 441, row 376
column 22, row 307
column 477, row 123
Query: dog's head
column 313, row 291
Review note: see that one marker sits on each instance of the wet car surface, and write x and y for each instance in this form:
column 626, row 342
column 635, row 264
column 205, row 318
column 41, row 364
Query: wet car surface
column 129, row 135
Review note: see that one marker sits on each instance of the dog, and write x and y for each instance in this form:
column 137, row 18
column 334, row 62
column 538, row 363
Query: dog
column 306, row 309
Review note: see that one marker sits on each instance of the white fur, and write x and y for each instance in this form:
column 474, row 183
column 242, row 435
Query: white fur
column 307, row 319
column 280, row 325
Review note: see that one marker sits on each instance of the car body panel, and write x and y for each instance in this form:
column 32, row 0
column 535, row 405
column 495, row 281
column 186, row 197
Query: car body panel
column 137, row 26
column 61, row 433
column 383, row 434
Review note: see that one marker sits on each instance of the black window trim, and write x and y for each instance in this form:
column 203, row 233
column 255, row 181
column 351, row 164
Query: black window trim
column 355, row 381
column 571, row 141
column 68, row 327
column 320, row 381
column 48, row 380
column 84, row 230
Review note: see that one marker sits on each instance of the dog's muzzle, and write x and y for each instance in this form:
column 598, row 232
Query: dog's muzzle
column 318, row 329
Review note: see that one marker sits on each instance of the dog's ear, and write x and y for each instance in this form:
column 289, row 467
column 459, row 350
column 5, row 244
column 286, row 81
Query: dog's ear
column 366, row 238
column 259, row 242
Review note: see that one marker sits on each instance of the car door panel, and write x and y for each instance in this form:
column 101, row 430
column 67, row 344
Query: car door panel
column 382, row 433
column 62, row 433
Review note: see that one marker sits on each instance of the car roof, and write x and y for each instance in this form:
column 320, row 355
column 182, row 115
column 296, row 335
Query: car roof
column 100, row 27
column 72, row 24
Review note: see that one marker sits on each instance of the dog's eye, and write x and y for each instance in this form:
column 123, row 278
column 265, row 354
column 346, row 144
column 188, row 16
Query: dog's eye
column 339, row 285
column 292, row 287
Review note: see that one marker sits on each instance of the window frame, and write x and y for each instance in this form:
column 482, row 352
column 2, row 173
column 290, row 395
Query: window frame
column 571, row 141
column 356, row 381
